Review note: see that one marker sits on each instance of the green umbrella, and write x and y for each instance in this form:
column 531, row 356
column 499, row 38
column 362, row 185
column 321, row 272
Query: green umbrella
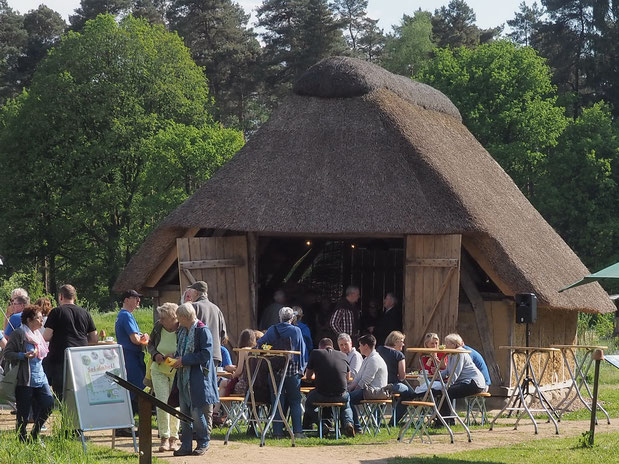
column 611, row 272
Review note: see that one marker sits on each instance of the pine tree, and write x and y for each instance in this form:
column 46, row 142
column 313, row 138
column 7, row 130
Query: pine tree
column 216, row 33
column 371, row 40
column 13, row 40
column 153, row 11
column 298, row 34
column 454, row 26
column 352, row 14
column 525, row 23
column 90, row 9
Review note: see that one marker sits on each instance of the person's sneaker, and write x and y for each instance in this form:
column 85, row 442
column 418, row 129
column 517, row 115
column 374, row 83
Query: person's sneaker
column 349, row 430
column 300, row 435
column 358, row 431
column 182, row 452
column 165, row 445
column 200, row 451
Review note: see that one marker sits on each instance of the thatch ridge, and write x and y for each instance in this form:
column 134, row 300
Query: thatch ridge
column 344, row 77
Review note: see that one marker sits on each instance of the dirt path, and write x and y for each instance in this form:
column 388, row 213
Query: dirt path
column 236, row 452
column 378, row 453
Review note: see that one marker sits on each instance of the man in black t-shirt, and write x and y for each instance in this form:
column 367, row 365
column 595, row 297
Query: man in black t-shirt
column 67, row 326
column 331, row 369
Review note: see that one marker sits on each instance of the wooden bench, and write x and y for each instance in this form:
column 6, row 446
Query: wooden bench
column 420, row 413
column 335, row 411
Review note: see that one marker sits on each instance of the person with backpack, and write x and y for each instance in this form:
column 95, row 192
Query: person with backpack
column 285, row 335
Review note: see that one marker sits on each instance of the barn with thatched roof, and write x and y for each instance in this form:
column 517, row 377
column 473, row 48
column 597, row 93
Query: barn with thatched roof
column 368, row 178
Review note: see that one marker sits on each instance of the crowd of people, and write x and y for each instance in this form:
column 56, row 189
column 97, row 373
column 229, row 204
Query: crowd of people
column 186, row 348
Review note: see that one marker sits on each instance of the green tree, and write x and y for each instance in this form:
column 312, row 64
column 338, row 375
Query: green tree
column 371, row 40
column 579, row 191
column 81, row 138
column 605, row 52
column 90, row 9
column 352, row 14
column 153, row 11
column 525, row 23
column 565, row 41
column 13, row 40
column 454, row 26
column 44, row 27
column 298, row 33
column 216, row 32
column 507, row 101
column 410, row 44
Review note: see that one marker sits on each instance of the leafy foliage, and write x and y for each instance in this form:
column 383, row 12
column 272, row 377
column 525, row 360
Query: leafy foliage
column 506, row 100
column 410, row 44
column 82, row 134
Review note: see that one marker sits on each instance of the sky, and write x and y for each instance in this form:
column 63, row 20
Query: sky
column 490, row 13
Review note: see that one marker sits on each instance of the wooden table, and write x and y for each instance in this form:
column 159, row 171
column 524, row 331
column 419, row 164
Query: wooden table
column 579, row 376
column 526, row 376
column 437, row 377
column 262, row 424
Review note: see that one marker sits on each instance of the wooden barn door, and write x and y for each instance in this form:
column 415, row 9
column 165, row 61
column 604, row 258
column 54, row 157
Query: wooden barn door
column 222, row 263
column 431, row 286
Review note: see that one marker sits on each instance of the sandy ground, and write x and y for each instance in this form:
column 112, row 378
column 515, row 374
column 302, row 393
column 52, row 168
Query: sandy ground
column 236, row 452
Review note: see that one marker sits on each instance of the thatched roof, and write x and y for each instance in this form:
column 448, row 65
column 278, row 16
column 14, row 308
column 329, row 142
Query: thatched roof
column 357, row 151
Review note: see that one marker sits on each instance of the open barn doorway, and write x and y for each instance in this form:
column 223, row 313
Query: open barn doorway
column 314, row 272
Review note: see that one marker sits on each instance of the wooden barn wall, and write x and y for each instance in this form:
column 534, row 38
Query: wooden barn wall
column 228, row 285
column 431, row 287
column 500, row 314
column 552, row 327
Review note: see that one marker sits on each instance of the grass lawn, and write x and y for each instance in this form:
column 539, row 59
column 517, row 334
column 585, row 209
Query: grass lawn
column 564, row 450
column 106, row 320
column 59, row 450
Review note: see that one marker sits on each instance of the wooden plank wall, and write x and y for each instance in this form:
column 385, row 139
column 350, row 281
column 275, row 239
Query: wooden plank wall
column 426, row 287
column 228, row 287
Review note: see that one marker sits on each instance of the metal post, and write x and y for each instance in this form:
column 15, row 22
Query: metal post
column 598, row 356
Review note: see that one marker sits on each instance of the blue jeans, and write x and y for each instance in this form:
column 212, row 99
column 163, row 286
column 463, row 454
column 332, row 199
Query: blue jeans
column 406, row 394
column 202, row 421
column 311, row 416
column 355, row 398
column 290, row 398
column 41, row 401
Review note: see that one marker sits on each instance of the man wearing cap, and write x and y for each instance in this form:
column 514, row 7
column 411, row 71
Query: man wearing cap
column 131, row 339
column 291, row 391
column 210, row 314
column 68, row 325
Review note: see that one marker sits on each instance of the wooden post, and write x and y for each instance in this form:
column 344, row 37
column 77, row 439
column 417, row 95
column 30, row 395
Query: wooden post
column 145, row 434
column 598, row 357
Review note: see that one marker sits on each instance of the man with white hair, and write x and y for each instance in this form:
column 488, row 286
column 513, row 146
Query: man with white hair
column 13, row 308
column 210, row 314
column 291, row 391
column 353, row 357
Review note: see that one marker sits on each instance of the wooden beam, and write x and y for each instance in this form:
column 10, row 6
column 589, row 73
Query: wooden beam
column 189, row 276
column 252, row 269
column 169, row 259
column 485, row 330
column 471, row 246
column 427, row 262
column 211, row 263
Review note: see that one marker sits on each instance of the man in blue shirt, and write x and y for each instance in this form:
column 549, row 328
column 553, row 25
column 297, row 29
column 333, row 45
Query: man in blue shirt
column 132, row 340
column 291, row 391
column 479, row 362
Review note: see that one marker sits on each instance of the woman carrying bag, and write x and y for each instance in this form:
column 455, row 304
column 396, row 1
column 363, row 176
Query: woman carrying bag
column 26, row 350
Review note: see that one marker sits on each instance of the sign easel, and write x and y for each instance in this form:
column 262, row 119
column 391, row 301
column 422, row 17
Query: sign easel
column 92, row 400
